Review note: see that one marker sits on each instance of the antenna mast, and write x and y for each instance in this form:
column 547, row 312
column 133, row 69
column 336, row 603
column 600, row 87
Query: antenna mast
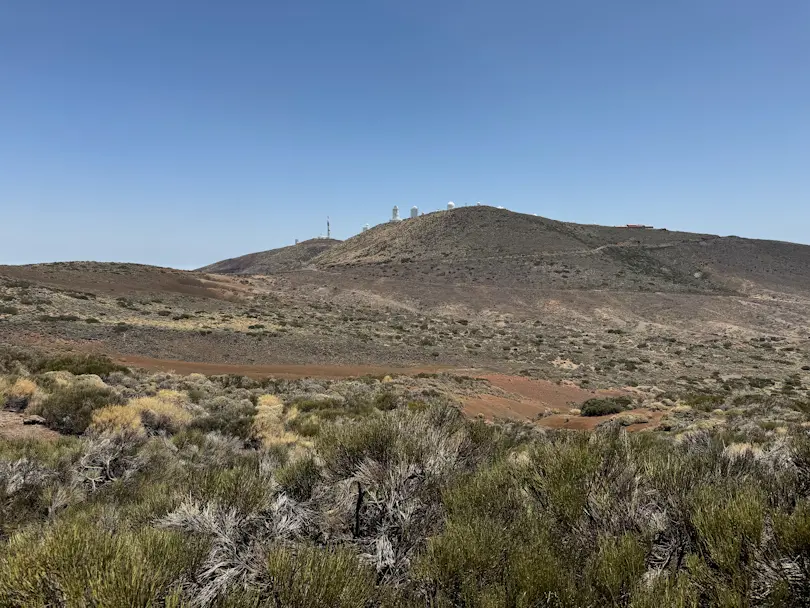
column 328, row 228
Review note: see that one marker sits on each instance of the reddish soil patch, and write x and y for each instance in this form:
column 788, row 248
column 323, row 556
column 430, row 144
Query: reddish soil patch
column 587, row 423
column 12, row 427
column 530, row 399
column 543, row 392
column 265, row 371
column 492, row 406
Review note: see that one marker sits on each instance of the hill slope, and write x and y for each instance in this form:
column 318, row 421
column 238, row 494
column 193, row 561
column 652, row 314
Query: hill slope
column 284, row 259
column 484, row 245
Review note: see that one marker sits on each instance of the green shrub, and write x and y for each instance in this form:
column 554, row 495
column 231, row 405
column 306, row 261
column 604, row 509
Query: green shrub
column 760, row 382
column 666, row 591
column 306, row 425
column 241, row 487
column 343, row 447
column 616, row 566
column 299, row 478
column 196, row 395
column 319, row 578
column 70, row 409
column 236, row 419
column 705, row 403
column 386, row 400
column 729, row 525
column 559, row 477
column 79, row 564
column 605, row 406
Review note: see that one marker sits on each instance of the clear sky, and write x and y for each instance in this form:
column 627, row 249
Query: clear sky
column 180, row 132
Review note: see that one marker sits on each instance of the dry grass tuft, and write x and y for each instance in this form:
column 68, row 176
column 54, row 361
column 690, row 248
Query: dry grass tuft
column 268, row 424
column 117, row 418
column 164, row 412
column 23, row 388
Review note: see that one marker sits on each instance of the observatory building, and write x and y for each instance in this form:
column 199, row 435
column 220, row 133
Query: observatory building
column 395, row 214
column 414, row 211
column 451, row 205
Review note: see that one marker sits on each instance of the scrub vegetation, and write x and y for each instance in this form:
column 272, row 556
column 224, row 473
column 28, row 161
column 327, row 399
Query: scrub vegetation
column 168, row 490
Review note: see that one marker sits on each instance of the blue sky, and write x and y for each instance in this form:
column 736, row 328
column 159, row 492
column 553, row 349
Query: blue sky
column 179, row 132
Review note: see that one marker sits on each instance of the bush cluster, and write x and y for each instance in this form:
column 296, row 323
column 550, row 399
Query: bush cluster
column 219, row 500
column 605, row 406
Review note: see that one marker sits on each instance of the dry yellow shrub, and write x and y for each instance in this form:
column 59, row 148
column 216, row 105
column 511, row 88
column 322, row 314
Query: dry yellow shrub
column 117, row 418
column 172, row 396
column 268, row 423
column 23, row 387
column 165, row 406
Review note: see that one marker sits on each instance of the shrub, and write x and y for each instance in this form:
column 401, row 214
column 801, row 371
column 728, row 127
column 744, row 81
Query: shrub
column 116, row 418
column 164, row 412
column 705, row 403
column 307, row 425
column 616, row 567
column 319, row 578
column 605, row 406
column 22, row 493
column 344, row 447
column 299, row 477
column 70, row 409
column 99, row 365
column 8, row 310
column 236, row 419
column 79, row 564
column 760, row 382
column 22, row 388
column 386, row 400
column 729, row 525
column 50, row 319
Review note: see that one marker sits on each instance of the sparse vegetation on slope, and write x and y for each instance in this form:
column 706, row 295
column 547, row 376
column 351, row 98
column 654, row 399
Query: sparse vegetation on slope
column 284, row 259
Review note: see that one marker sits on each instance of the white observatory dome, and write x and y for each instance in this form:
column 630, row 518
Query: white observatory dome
column 451, row 205
column 414, row 211
column 395, row 214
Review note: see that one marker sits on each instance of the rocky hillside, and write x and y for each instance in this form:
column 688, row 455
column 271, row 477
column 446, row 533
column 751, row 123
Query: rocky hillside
column 284, row 259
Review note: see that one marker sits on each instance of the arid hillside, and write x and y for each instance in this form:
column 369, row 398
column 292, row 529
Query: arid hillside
column 293, row 257
column 309, row 322
column 488, row 246
column 475, row 288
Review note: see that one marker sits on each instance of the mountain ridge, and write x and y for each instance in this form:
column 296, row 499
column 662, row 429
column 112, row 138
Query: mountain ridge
column 489, row 246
